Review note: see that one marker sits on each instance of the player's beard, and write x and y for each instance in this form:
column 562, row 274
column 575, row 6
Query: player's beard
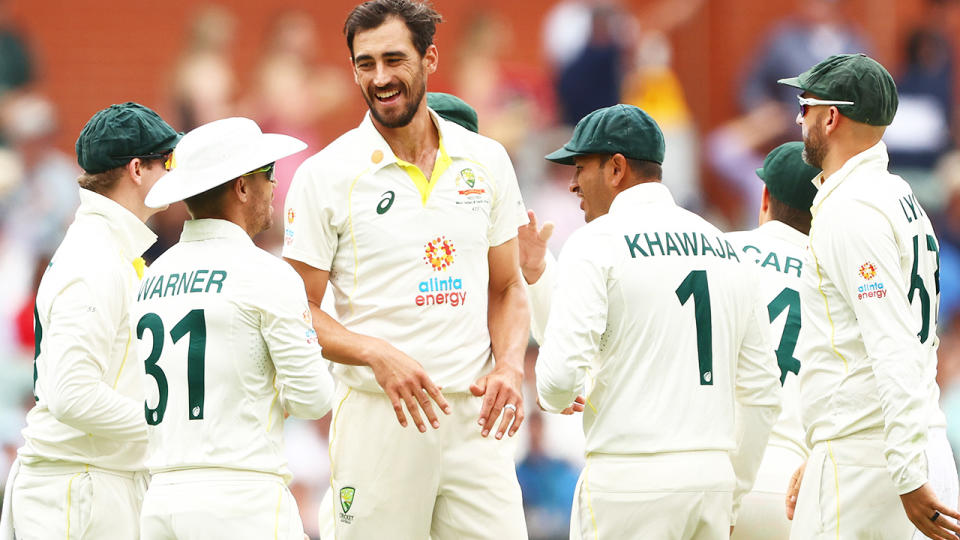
column 814, row 148
column 404, row 117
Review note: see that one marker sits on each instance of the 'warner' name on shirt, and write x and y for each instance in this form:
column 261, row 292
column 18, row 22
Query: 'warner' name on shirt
column 197, row 281
column 678, row 244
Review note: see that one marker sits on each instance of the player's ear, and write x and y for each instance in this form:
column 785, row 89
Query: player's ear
column 241, row 188
column 617, row 169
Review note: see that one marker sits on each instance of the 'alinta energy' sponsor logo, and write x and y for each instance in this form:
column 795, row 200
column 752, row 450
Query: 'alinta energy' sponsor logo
column 873, row 288
column 439, row 254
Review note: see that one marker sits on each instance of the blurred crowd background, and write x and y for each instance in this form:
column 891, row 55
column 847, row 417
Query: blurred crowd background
column 705, row 69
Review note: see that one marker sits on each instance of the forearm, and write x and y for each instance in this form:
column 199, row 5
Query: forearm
column 508, row 319
column 342, row 346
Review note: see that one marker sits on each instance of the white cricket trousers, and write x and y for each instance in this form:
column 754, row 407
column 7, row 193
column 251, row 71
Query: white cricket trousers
column 671, row 496
column 763, row 513
column 394, row 482
column 215, row 504
column 70, row 501
column 847, row 493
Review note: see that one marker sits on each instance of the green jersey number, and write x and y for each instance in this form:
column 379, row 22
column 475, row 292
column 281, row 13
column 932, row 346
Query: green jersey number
column 928, row 309
column 788, row 300
column 194, row 324
column 695, row 285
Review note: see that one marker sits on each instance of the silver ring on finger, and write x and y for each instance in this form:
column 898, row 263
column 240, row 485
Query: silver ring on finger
column 510, row 406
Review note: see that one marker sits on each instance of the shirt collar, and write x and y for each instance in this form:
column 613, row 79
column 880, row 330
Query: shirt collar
column 782, row 231
column 133, row 235
column 645, row 193
column 196, row 230
column 382, row 155
column 875, row 156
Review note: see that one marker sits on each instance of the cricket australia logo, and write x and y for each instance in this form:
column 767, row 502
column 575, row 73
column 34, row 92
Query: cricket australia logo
column 346, row 501
column 346, row 498
column 438, row 253
column 467, row 176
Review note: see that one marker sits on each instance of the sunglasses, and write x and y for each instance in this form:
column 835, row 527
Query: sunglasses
column 268, row 168
column 167, row 158
column 810, row 102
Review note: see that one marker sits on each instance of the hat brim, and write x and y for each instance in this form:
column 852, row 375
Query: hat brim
column 183, row 182
column 563, row 156
column 760, row 174
column 792, row 81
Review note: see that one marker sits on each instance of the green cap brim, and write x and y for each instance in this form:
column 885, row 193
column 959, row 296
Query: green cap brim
column 563, row 156
column 791, row 81
column 760, row 174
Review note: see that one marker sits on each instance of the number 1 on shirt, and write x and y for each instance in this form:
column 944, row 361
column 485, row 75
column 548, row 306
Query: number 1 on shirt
column 695, row 284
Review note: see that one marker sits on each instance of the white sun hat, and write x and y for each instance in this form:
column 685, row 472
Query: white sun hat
column 218, row 152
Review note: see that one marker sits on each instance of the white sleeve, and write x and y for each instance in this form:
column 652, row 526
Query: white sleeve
column 83, row 323
column 311, row 218
column 507, row 212
column 757, row 399
column 889, row 334
column 577, row 319
column 538, row 297
column 303, row 379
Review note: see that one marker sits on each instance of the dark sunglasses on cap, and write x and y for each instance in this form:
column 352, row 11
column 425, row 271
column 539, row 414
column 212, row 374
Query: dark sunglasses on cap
column 165, row 156
column 268, row 168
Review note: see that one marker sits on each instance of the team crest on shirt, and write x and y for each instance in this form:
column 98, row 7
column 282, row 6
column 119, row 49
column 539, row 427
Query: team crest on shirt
column 872, row 289
column 469, row 183
column 346, row 501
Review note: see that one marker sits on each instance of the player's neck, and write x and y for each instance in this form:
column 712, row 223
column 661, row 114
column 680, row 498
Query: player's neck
column 413, row 140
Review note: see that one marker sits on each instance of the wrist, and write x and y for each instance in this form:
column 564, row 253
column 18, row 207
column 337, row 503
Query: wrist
column 532, row 274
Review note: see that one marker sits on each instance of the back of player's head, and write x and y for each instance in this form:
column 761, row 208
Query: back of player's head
column 789, row 181
column 421, row 19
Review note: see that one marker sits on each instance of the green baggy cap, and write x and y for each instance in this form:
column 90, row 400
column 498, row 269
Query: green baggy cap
column 788, row 177
column 852, row 77
column 620, row 129
column 454, row 109
column 119, row 133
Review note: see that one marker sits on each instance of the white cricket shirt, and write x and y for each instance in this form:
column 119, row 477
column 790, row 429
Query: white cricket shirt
column 407, row 256
column 88, row 382
column 869, row 297
column 779, row 251
column 228, row 347
column 654, row 307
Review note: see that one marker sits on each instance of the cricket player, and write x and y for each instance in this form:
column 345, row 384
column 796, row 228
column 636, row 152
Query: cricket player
column 228, row 347
column 657, row 323
column 880, row 464
column 82, row 471
column 778, row 247
column 413, row 220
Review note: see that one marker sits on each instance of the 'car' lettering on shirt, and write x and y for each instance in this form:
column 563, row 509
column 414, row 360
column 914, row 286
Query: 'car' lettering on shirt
column 681, row 244
column 772, row 261
column 198, row 281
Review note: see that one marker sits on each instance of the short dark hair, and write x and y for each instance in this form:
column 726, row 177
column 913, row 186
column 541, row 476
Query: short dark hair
column 419, row 17
column 208, row 203
column 645, row 170
column 794, row 217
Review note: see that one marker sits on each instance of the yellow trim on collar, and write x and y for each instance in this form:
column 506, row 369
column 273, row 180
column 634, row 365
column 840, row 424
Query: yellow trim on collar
column 424, row 186
column 139, row 265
